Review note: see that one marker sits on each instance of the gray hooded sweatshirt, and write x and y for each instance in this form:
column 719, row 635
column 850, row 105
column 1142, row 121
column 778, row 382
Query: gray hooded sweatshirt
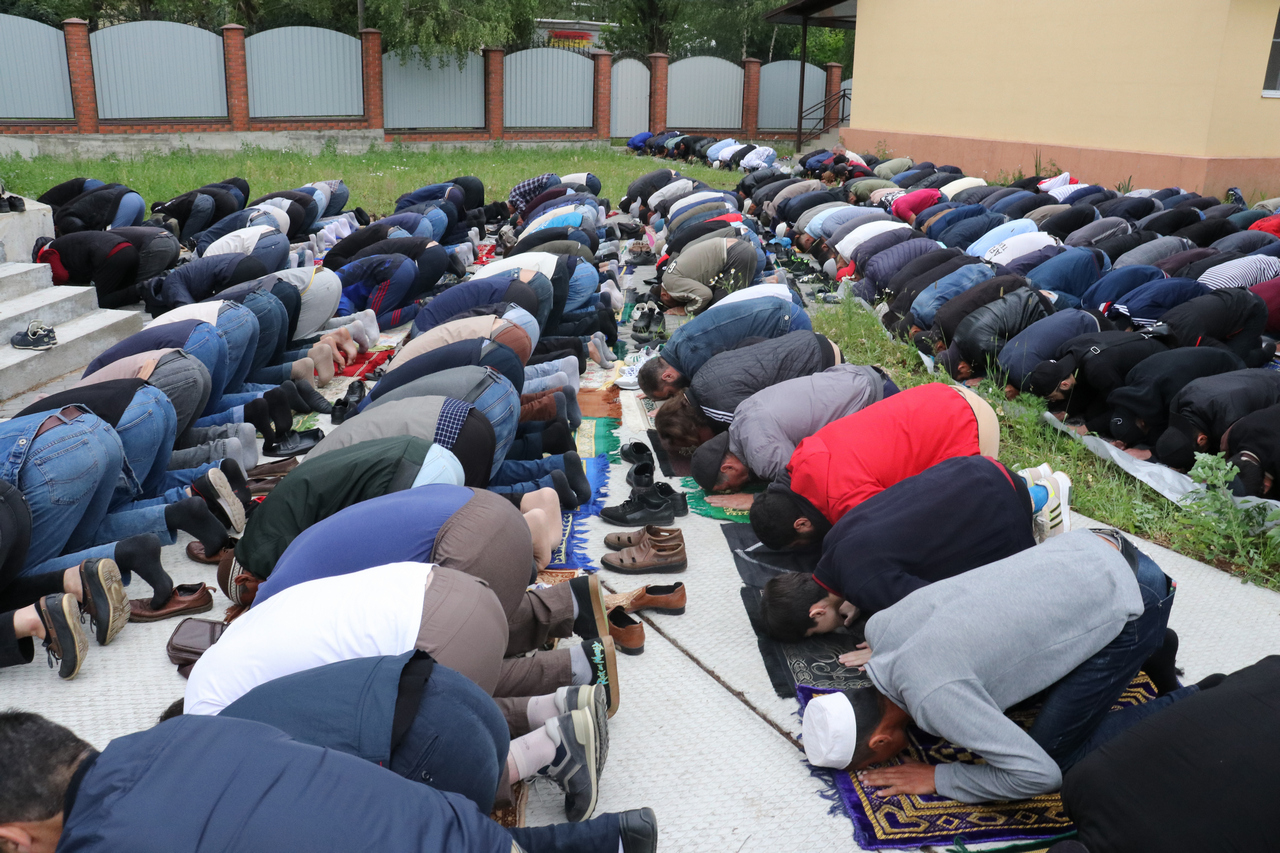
column 958, row 652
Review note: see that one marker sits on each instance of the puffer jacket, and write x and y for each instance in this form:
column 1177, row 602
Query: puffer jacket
column 981, row 335
column 884, row 265
column 1212, row 404
column 727, row 379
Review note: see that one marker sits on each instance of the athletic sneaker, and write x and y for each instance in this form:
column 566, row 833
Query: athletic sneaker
column 1031, row 476
column 1056, row 513
column 630, row 376
column 574, row 767
column 38, row 336
column 594, row 699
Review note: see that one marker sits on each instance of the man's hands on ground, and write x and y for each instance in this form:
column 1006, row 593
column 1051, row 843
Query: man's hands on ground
column 857, row 658
column 911, row 777
column 731, row 501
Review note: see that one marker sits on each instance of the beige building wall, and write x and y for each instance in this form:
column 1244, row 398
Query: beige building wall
column 1165, row 91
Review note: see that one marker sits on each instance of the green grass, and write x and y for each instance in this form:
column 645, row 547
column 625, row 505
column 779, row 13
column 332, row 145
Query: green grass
column 1101, row 490
column 376, row 178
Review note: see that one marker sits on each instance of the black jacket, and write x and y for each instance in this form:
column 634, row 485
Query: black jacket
column 948, row 317
column 986, row 330
column 1212, row 404
column 1214, row 318
column 90, row 211
column 1150, row 386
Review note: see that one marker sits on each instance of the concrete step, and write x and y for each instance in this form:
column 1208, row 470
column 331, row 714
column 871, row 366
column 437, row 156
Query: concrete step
column 18, row 279
column 52, row 305
column 80, row 340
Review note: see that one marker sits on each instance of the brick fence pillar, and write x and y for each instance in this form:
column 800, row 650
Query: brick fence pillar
column 750, row 98
column 371, row 72
column 236, row 73
column 493, row 83
column 84, row 92
column 832, row 116
column 658, row 92
column 603, row 114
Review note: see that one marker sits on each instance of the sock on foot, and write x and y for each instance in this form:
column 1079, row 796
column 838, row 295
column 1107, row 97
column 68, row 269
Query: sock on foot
column 323, row 357
column 258, row 413
column 141, row 556
column 192, row 515
column 1039, row 497
column 312, row 398
column 572, row 410
column 580, row 665
column 577, row 477
column 542, row 708
column 1162, row 666
column 303, row 368
column 568, row 497
column 292, row 396
column 281, row 412
column 558, row 438
column 533, row 751
column 562, row 407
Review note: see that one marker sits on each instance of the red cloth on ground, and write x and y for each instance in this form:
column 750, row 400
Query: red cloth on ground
column 858, row 456
column 365, row 362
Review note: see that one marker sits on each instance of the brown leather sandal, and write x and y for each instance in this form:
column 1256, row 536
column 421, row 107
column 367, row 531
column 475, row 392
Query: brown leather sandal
column 649, row 557
column 618, row 541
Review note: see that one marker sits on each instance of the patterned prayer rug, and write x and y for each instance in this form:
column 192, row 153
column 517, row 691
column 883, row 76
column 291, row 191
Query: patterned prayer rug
column 599, row 436
column 593, row 446
column 698, row 502
column 919, row 820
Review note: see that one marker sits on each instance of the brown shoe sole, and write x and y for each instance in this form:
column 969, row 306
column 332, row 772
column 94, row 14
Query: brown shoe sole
column 664, row 568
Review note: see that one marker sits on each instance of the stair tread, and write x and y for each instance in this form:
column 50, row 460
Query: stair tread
column 38, row 299
column 68, row 332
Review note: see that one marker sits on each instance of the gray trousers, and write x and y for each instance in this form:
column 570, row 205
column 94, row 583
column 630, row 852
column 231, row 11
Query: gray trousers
column 186, row 382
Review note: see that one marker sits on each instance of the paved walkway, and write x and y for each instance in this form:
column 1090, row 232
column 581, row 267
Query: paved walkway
column 700, row 735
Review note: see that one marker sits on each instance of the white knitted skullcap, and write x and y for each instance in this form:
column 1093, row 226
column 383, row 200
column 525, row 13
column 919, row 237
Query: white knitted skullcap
column 830, row 731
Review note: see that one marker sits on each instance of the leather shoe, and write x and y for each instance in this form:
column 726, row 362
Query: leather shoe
column 641, row 475
column 294, row 443
column 670, row 599
column 187, row 598
column 627, row 633
column 649, row 557
column 618, row 541
column 676, row 500
column 636, row 452
column 645, row 506
column 638, row 831
column 272, row 469
column 196, row 552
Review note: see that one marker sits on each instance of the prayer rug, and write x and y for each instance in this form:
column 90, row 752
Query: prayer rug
column 597, row 437
column 919, row 820
column 698, row 502
column 366, row 362
column 600, row 403
column 815, row 661
column 572, row 553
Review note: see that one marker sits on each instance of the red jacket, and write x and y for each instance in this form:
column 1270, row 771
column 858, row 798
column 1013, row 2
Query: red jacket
column 858, row 456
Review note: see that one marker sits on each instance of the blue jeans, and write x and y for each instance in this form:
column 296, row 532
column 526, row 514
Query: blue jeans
column 800, row 321
column 273, row 251
column 147, row 430
column 525, row 320
column 517, row 477
column 598, row 835
column 1076, row 716
column 206, row 346
column 273, row 329
column 582, row 285
column 500, row 404
column 458, row 741
column 239, row 328
column 130, row 212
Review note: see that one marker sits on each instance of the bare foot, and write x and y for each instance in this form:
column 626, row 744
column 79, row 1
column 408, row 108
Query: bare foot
column 322, row 355
column 731, row 501
column 343, row 350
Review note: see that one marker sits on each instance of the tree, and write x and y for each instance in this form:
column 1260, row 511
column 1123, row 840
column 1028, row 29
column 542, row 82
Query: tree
column 451, row 27
column 641, row 26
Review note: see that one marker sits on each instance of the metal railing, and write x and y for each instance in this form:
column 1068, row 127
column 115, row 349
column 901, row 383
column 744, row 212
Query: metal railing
column 831, row 111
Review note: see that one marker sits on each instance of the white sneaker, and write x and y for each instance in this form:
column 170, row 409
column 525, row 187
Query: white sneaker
column 1056, row 513
column 1031, row 476
column 640, row 357
column 629, row 378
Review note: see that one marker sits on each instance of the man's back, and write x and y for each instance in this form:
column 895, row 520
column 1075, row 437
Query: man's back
column 234, row 785
column 702, row 337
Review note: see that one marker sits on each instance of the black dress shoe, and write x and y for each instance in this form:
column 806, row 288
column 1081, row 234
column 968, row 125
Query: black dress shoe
column 636, row 452
column 641, row 475
column 346, row 406
column 676, row 500
column 295, row 443
column 658, row 504
column 638, row 831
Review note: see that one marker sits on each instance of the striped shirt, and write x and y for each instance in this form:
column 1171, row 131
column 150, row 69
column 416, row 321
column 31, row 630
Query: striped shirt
column 1242, row 272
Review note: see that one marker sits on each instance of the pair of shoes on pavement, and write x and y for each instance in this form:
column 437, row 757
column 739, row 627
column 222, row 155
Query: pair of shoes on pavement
column 105, row 603
column 656, row 503
column 651, row 550
column 629, row 379
column 1054, row 518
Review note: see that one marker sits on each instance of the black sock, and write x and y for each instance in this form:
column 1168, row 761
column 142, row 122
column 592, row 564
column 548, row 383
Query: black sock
column 557, row 438
column 237, row 479
column 568, row 497
column 577, row 477
column 1162, row 667
column 141, row 556
column 290, row 390
column 562, row 406
column 281, row 412
column 192, row 515
column 258, row 413
column 310, row 397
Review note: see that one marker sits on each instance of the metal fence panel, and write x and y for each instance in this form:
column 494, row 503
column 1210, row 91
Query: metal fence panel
column 547, row 87
column 304, row 71
column 779, row 85
column 630, row 98
column 34, row 82
column 126, row 56
column 704, row 92
column 427, row 94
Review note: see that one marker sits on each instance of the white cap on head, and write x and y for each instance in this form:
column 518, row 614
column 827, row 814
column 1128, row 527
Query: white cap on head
column 780, row 229
column 830, row 731
column 830, row 267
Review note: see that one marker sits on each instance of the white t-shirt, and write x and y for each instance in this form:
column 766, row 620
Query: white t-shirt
column 543, row 262
column 863, row 233
column 278, row 215
column 239, row 242
column 206, row 312
column 369, row 613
